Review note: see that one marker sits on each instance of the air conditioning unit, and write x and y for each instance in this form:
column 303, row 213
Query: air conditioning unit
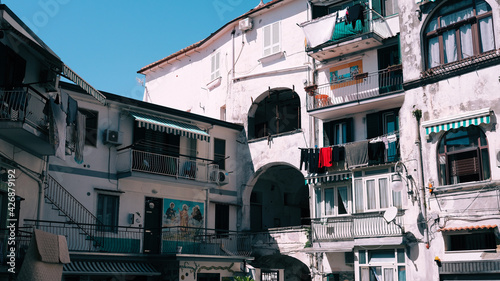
column 245, row 24
column 112, row 137
column 220, row 177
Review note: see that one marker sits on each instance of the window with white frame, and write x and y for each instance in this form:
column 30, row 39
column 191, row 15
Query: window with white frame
column 215, row 66
column 272, row 39
column 337, row 201
column 372, row 191
column 382, row 265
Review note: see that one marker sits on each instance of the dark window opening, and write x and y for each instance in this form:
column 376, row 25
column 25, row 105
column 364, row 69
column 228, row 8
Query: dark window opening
column 107, row 212
column 463, row 156
column 457, row 31
column 156, row 142
column 470, row 241
column 220, row 153
column 338, row 132
column 278, row 113
column 12, row 68
column 91, row 120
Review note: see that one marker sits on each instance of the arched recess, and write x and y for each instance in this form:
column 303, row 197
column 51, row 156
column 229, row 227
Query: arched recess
column 275, row 111
column 294, row 269
column 278, row 197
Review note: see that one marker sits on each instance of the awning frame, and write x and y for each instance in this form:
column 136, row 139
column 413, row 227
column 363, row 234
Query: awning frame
column 77, row 79
column 94, row 268
column 171, row 126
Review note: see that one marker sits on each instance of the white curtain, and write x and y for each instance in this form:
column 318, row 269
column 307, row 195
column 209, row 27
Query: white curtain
column 343, row 200
column 433, row 57
column 486, row 32
column 371, row 196
column 383, row 192
column 358, row 195
column 318, row 203
column 388, row 274
column 450, row 46
column 397, row 200
column 466, row 41
column 329, row 202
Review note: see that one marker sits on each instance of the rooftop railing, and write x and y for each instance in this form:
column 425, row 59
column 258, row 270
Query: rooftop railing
column 356, row 88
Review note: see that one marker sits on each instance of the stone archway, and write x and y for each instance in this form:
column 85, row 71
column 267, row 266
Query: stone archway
column 279, row 197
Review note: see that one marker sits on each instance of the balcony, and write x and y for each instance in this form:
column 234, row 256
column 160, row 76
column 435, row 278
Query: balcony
column 355, row 226
column 365, row 90
column 23, row 121
column 132, row 160
column 348, row 38
column 130, row 240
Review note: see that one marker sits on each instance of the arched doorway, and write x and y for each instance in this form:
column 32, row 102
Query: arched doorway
column 279, row 198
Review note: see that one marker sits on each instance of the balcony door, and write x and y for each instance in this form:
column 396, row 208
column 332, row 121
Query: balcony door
column 152, row 225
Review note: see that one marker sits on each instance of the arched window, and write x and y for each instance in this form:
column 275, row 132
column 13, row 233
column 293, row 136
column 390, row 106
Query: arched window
column 278, row 112
column 458, row 30
column 463, row 156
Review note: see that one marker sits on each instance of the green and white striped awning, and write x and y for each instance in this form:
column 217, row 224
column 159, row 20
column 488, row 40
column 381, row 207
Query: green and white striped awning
column 71, row 75
column 482, row 116
column 170, row 126
column 323, row 178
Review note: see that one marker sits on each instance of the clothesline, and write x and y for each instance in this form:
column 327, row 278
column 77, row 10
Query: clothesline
column 372, row 140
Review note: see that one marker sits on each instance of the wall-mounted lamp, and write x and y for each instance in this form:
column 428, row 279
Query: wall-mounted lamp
column 401, row 178
column 418, row 14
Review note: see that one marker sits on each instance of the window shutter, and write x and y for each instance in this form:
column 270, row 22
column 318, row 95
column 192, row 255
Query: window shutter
column 465, row 164
column 349, row 130
column 272, row 39
column 373, row 128
column 327, row 134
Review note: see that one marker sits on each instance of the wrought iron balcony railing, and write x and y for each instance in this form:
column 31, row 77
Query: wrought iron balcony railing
column 359, row 87
column 130, row 240
column 130, row 160
column 355, row 226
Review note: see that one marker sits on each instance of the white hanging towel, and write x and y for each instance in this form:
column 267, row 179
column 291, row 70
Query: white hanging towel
column 320, row 30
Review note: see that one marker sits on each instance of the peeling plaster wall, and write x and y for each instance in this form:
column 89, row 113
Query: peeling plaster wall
column 471, row 91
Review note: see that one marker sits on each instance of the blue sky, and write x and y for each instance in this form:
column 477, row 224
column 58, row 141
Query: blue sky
column 107, row 42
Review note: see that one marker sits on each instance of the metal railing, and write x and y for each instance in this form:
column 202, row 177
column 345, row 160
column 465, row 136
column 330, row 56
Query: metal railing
column 355, row 226
column 354, row 89
column 373, row 22
column 78, row 216
column 154, row 163
column 130, row 240
column 24, row 105
column 21, row 238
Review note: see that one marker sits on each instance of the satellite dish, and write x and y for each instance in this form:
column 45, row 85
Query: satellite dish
column 390, row 214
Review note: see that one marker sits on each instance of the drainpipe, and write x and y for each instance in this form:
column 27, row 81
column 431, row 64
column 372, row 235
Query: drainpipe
column 207, row 203
column 423, row 204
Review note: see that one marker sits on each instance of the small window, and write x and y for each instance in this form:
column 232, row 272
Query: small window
column 373, row 193
column 272, row 39
column 91, row 118
column 463, row 156
column 470, row 241
column 269, row 275
column 223, row 113
column 337, row 201
column 220, row 153
column 107, row 211
column 215, row 66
